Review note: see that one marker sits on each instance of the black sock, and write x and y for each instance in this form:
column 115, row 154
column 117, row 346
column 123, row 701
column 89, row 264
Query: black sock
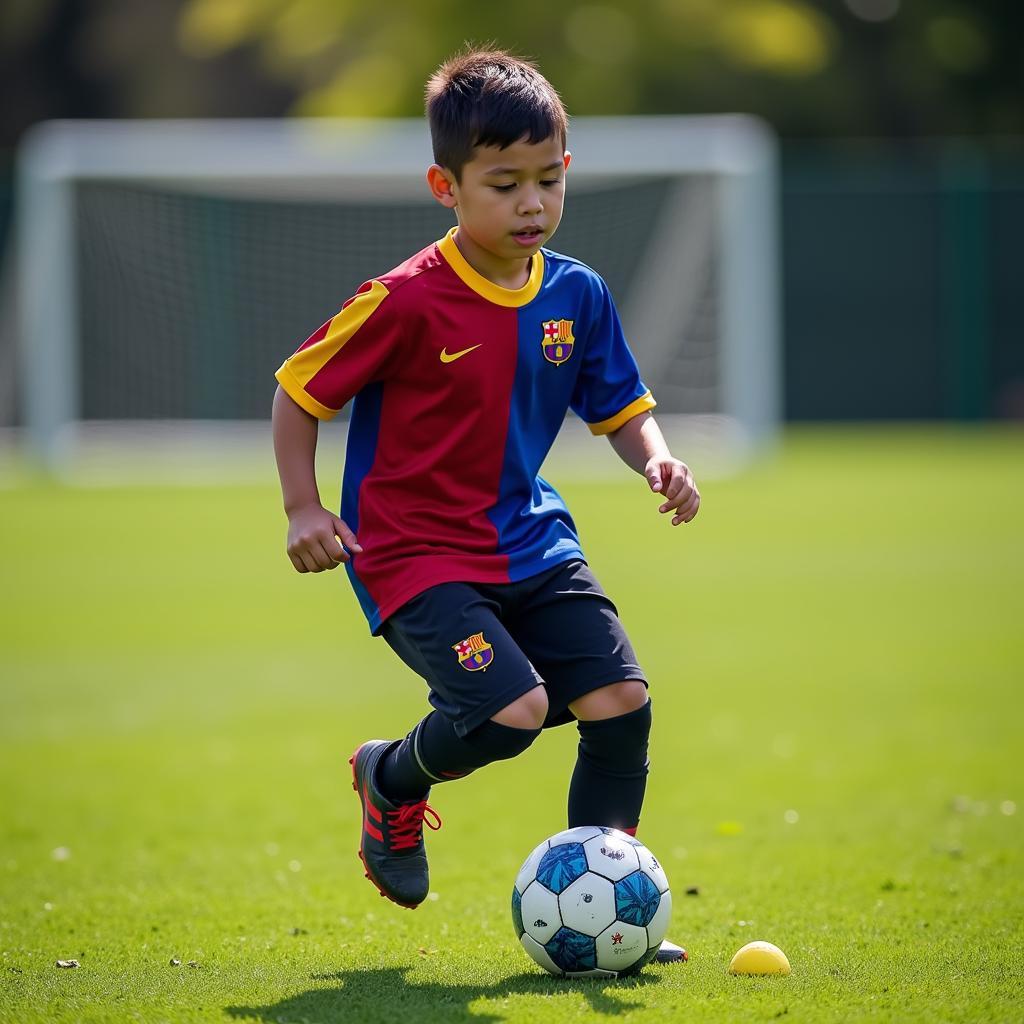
column 433, row 752
column 610, row 776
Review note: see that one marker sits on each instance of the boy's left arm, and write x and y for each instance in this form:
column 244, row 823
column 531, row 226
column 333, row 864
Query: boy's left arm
column 641, row 446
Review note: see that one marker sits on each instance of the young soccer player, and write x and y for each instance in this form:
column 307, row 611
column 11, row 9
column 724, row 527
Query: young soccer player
column 462, row 363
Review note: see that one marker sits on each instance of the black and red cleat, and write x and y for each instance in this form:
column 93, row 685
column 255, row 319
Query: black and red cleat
column 391, row 847
column 670, row 953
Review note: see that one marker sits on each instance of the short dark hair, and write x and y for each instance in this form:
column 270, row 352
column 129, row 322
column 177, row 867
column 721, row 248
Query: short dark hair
column 489, row 98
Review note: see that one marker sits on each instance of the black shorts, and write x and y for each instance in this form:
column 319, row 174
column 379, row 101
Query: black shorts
column 480, row 646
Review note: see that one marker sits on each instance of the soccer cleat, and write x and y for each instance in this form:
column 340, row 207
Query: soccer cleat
column 670, row 953
column 391, row 847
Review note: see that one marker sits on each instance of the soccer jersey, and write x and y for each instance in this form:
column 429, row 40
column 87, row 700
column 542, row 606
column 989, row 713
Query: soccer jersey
column 460, row 388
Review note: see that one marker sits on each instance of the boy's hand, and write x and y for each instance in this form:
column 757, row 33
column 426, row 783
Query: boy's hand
column 673, row 479
column 313, row 539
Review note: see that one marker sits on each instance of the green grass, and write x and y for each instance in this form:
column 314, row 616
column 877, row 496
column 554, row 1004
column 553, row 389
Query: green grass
column 839, row 635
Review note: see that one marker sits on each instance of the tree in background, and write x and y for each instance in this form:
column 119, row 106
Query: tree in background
column 828, row 67
column 881, row 67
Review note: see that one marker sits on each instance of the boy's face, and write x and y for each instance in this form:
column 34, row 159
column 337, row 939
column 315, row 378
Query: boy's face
column 509, row 201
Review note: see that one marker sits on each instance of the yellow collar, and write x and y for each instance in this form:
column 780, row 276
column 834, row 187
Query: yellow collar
column 488, row 289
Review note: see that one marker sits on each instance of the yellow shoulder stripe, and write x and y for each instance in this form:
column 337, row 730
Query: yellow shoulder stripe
column 300, row 368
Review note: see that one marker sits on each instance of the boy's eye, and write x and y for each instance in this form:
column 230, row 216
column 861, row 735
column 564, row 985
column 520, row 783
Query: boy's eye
column 547, row 183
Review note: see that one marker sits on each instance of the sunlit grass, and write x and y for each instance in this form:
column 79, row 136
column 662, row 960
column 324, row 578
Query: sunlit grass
column 835, row 650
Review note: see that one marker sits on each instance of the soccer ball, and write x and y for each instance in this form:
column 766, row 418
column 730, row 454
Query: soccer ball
column 591, row 902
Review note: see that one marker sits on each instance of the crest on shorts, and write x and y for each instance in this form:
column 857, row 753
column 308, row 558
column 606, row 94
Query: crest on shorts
column 558, row 341
column 474, row 652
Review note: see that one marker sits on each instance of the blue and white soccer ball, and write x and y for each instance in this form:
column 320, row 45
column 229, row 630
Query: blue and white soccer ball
column 591, row 902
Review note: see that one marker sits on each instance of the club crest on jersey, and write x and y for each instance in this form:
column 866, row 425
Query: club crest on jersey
column 474, row 652
column 558, row 341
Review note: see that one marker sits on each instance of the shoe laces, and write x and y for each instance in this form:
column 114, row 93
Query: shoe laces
column 405, row 825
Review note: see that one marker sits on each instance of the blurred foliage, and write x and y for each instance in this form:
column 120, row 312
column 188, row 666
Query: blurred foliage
column 812, row 67
column 875, row 66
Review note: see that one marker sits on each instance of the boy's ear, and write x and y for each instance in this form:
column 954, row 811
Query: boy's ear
column 567, row 159
column 442, row 185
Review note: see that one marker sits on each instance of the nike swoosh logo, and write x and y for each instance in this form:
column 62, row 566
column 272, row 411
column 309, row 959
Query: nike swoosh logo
column 447, row 357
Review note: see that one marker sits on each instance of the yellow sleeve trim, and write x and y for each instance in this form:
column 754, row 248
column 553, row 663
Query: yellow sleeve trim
column 301, row 367
column 637, row 406
column 299, row 395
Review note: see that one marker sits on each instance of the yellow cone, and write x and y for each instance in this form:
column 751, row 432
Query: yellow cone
column 759, row 958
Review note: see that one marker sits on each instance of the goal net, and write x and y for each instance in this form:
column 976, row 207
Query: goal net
column 167, row 268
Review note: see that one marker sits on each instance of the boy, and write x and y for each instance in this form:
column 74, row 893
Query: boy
column 462, row 363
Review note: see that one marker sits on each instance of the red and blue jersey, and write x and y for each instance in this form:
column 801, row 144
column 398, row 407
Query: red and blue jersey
column 460, row 387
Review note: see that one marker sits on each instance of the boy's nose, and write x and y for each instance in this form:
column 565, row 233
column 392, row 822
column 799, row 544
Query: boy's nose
column 531, row 203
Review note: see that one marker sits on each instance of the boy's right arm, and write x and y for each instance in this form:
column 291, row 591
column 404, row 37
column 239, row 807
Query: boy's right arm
column 313, row 531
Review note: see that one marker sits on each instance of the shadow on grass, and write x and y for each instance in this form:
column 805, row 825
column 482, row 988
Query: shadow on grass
column 385, row 994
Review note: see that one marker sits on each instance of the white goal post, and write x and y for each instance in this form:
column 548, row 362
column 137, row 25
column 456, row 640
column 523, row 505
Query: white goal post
column 685, row 207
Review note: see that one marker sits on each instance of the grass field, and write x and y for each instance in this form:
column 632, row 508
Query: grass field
column 836, row 649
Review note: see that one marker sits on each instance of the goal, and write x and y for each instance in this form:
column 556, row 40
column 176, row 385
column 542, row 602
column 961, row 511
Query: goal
column 166, row 268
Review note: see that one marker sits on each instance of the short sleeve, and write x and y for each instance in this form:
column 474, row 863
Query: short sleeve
column 609, row 391
column 345, row 354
